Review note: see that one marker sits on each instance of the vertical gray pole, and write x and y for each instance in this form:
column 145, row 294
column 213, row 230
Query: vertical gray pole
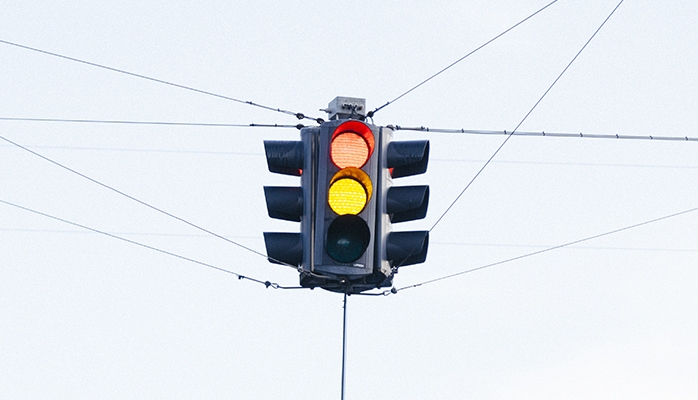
column 344, row 345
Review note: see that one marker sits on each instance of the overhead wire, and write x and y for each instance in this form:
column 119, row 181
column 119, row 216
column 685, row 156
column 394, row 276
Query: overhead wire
column 123, row 122
column 169, row 253
column 370, row 114
column 510, row 134
column 152, row 234
column 545, row 134
column 393, row 127
column 431, row 243
column 458, row 160
column 568, row 244
column 298, row 115
column 142, row 202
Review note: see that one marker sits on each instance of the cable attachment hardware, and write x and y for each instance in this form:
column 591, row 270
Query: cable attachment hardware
column 268, row 284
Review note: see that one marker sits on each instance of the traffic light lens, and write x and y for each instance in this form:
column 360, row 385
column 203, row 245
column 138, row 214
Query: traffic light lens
column 347, row 196
column 350, row 190
column 352, row 145
column 348, row 237
column 349, row 150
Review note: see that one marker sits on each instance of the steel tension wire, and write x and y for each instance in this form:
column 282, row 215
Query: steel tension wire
column 111, row 235
column 267, row 284
column 98, row 121
column 545, row 134
column 295, row 114
column 371, row 113
column 307, row 273
column 394, row 290
column 397, row 267
column 528, row 114
column 144, row 203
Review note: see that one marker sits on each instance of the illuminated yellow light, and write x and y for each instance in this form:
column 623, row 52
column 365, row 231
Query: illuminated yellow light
column 347, row 196
column 350, row 190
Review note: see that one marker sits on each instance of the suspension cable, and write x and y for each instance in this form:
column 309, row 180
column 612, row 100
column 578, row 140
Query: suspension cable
column 546, row 134
column 453, row 203
column 142, row 202
column 123, row 122
column 121, row 71
column 568, row 244
column 370, row 114
column 111, row 235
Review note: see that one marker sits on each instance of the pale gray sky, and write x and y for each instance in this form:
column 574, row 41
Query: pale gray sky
column 84, row 315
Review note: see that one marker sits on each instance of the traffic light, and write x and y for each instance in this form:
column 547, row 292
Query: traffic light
column 346, row 203
column 402, row 203
column 284, row 202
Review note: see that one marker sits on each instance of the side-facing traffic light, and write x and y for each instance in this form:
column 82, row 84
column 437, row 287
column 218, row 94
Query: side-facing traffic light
column 346, row 203
column 286, row 202
column 402, row 203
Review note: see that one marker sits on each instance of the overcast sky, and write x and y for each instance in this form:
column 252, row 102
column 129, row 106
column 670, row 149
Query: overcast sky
column 85, row 315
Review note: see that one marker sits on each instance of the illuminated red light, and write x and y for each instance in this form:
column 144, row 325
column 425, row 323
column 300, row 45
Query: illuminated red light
column 352, row 145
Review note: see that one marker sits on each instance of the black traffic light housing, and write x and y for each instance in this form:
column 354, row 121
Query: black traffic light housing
column 284, row 202
column 346, row 205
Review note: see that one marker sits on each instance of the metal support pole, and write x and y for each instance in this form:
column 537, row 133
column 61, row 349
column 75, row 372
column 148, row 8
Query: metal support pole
column 344, row 345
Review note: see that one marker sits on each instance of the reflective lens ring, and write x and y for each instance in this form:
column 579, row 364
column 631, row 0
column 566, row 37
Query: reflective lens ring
column 348, row 237
column 349, row 192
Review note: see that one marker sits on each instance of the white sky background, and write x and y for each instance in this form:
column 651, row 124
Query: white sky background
column 83, row 315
